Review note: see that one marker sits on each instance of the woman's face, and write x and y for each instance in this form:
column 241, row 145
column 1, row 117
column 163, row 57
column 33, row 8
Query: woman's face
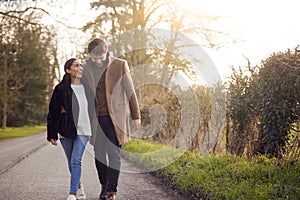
column 75, row 70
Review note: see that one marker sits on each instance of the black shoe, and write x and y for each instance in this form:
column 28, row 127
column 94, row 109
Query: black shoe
column 111, row 195
column 102, row 195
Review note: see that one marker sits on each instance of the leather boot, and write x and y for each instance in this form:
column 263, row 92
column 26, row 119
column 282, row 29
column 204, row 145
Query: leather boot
column 111, row 195
column 102, row 195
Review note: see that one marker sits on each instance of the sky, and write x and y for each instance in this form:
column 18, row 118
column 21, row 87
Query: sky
column 260, row 27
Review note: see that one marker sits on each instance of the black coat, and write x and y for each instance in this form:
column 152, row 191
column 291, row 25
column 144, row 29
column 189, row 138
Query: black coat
column 63, row 111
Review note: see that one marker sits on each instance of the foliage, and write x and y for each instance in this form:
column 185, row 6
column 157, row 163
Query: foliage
column 228, row 177
column 263, row 107
column 242, row 111
column 279, row 89
column 25, row 66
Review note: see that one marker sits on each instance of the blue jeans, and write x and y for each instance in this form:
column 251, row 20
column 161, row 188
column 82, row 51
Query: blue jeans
column 74, row 150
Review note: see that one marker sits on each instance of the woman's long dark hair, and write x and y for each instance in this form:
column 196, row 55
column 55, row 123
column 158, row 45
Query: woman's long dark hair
column 68, row 64
column 67, row 77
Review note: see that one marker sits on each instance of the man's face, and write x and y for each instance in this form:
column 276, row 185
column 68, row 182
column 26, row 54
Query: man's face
column 98, row 59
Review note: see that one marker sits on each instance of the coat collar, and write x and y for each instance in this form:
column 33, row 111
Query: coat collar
column 66, row 82
column 89, row 65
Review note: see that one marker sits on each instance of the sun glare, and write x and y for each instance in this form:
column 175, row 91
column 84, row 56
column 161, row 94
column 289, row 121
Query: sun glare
column 185, row 3
column 189, row 5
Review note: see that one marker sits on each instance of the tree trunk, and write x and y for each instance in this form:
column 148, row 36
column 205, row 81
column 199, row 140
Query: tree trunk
column 5, row 94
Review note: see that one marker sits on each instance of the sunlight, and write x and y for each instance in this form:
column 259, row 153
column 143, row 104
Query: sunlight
column 194, row 7
column 259, row 27
column 189, row 5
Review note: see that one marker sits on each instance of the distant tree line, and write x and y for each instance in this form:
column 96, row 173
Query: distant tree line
column 25, row 57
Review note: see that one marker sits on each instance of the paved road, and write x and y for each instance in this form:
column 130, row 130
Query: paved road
column 30, row 168
column 14, row 150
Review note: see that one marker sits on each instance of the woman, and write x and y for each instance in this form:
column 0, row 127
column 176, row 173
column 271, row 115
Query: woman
column 68, row 120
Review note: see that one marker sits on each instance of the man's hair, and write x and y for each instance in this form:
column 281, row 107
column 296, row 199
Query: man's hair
column 97, row 46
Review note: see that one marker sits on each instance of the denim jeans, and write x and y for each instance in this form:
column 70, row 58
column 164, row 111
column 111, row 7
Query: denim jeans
column 74, row 150
column 107, row 148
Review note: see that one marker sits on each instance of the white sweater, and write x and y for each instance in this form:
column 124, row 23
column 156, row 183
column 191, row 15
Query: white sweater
column 84, row 125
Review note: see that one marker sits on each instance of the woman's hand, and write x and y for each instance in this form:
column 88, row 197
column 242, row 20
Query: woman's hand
column 53, row 142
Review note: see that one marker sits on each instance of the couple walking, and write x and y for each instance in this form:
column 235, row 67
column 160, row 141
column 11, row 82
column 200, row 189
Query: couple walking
column 94, row 102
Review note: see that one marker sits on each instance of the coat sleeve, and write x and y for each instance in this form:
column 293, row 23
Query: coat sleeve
column 53, row 116
column 130, row 92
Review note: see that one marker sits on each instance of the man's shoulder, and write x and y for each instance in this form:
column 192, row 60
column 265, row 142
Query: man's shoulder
column 115, row 60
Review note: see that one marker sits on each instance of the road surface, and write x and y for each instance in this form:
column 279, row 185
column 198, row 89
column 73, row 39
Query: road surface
column 31, row 168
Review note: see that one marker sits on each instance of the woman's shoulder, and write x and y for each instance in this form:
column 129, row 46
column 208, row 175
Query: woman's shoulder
column 60, row 87
column 64, row 84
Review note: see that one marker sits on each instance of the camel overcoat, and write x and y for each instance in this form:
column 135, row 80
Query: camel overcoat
column 120, row 96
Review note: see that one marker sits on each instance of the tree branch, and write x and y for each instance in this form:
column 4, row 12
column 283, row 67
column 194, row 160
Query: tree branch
column 12, row 12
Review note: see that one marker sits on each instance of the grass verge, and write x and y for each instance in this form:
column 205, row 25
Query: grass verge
column 20, row 131
column 224, row 177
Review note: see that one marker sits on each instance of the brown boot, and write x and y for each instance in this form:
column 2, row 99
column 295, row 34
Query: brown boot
column 102, row 195
column 111, row 195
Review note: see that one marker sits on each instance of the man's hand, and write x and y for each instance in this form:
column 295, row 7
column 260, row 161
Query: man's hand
column 136, row 123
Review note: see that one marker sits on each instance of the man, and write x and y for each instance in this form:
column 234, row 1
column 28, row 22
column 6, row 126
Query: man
column 113, row 102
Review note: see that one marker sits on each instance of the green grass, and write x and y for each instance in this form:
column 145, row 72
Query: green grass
column 151, row 155
column 20, row 131
column 226, row 177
